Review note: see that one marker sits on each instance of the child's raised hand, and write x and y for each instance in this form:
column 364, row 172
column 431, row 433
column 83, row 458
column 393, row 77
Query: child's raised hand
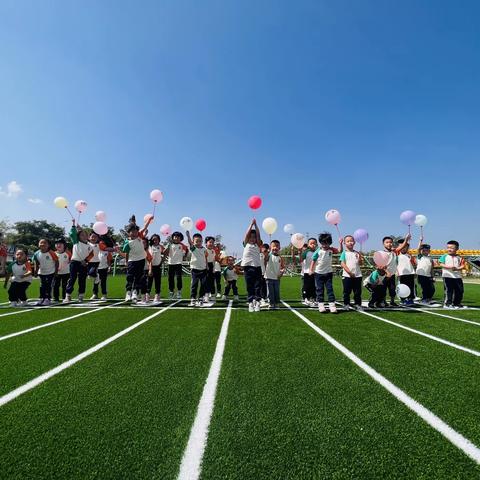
column 408, row 237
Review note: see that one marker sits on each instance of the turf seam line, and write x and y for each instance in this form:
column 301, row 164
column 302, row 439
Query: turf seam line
column 55, row 322
column 191, row 465
column 63, row 366
column 449, row 316
column 454, row 437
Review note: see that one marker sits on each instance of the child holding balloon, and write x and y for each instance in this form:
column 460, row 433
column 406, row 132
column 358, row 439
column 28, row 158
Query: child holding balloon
column 351, row 262
column 156, row 251
column 230, row 273
column 406, row 271
column 391, row 267
column 212, row 256
column 425, row 269
column 251, row 264
column 175, row 252
column 452, row 265
column 198, row 268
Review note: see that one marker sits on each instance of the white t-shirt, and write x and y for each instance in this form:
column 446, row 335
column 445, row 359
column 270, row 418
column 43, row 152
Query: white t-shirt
column 103, row 257
column 352, row 260
column 46, row 261
column 451, row 261
column 230, row 274
column 424, row 265
column 175, row 253
column 81, row 251
column 272, row 269
column 156, row 253
column 251, row 255
column 307, row 261
column 404, row 264
column 323, row 259
column 63, row 263
column 210, row 255
column 198, row 260
column 135, row 249
column 217, row 267
column 96, row 250
column 392, row 262
column 16, row 271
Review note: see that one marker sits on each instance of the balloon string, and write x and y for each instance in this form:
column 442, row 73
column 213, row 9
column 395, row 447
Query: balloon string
column 154, row 206
column 338, row 230
column 421, row 230
column 68, row 210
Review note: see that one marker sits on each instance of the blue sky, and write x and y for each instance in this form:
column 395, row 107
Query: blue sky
column 368, row 107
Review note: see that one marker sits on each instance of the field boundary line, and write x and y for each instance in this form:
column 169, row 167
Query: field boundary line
column 8, row 397
column 454, row 437
column 423, row 334
column 191, row 465
column 54, row 322
column 448, row 316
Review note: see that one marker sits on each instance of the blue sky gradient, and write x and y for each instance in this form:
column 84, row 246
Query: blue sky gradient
column 368, row 107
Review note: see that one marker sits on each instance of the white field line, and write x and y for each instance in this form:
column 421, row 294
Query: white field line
column 428, row 416
column 191, row 465
column 423, row 334
column 448, row 316
column 63, row 366
column 55, row 322
column 16, row 312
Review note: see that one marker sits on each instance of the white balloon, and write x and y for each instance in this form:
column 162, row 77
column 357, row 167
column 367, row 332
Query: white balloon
column 186, row 223
column 100, row 216
column 421, row 220
column 289, row 228
column 298, row 240
column 269, row 225
column 403, row 291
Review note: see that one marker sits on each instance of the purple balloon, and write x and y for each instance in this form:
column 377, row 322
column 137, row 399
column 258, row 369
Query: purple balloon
column 360, row 235
column 408, row 217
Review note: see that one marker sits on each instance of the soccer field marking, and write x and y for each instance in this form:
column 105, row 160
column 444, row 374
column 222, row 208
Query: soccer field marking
column 454, row 437
column 423, row 334
column 449, row 316
column 55, row 322
column 16, row 312
column 63, row 366
column 191, row 465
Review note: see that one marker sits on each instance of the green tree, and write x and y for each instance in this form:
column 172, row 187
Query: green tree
column 26, row 234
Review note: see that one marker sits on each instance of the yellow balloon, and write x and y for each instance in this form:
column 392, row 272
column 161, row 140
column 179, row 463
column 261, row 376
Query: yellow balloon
column 60, row 202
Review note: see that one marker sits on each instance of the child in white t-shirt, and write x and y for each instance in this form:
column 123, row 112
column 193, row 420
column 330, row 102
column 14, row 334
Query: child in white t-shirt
column 252, row 266
column 274, row 270
column 406, row 271
column 425, row 270
column 452, row 265
column 230, row 273
column 46, row 266
column 175, row 252
column 20, row 274
column 351, row 262
column 157, row 252
column 198, row 269
column 63, row 272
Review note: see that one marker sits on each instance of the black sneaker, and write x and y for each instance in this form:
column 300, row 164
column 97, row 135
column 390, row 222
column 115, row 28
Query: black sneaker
column 381, row 305
column 393, row 303
column 371, row 305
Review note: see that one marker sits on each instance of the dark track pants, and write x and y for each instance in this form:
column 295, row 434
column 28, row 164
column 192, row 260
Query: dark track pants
column 352, row 285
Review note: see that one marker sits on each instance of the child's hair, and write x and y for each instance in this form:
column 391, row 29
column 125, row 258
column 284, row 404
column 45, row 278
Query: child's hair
column 62, row 241
column 387, row 238
column 305, row 245
column 230, row 258
column 253, row 232
column 132, row 227
column 132, row 219
column 178, row 235
column 311, row 238
column 207, row 239
column 266, row 245
column 197, row 235
column 325, row 237
column 425, row 246
column 276, row 242
column 107, row 240
column 155, row 235
column 45, row 240
column 454, row 243
column 348, row 236
column 401, row 240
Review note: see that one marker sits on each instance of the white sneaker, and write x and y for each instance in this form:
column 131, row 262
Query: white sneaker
column 179, row 295
column 146, row 298
column 256, row 306
column 251, row 307
column 40, row 303
column 321, row 307
column 156, row 299
column 67, row 299
column 192, row 302
column 332, row 307
column 224, row 297
column 199, row 302
column 94, row 297
column 134, row 297
column 22, row 303
column 128, row 296
column 219, row 295
column 263, row 303
column 80, row 298
column 104, row 298
column 13, row 304
column 359, row 308
column 170, row 294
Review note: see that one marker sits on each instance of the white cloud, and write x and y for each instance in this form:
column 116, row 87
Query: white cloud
column 36, row 201
column 14, row 189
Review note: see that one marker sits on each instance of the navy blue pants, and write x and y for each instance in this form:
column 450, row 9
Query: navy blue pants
column 156, row 278
column 428, row 286
column 135, row 275
column 352, row 285
column 18, row 291
column 103, row 274
column 453, row 291
column 253, row 280
column 77, row 270
column 175, row 271
column 324, row 281
column 46, row 286
column 231, row 284
column 199, row 277
column 60, row 281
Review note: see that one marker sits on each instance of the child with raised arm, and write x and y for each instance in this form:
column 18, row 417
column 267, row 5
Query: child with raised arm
column 251, row 264
column 264, row 253
column 351, row 262
column 274, row 270
column 198, row 268
column 391, row 270
column 45, row 266
column 20, row 274
column 322, row 266
column 406, row 271
column 452, row 265
column 425, row 266
column 81, row 254
column 175, row 252
column 134, row 249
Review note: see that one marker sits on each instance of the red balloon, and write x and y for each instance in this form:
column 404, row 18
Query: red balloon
column 200, row 224
column 254, row 202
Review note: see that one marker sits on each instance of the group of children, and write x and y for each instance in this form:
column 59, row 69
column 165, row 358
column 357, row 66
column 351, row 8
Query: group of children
column 261, row 264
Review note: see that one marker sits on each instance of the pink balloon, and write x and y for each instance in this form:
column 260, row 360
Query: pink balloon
column 200, row 224
column 254, row 202
column 333, row 217
column 165, row 229
column 80, row 206
column 100, row 216
column 156, row 196
column 381, row 259
column 147, row 217
column 100, row 228
column 408, row 217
